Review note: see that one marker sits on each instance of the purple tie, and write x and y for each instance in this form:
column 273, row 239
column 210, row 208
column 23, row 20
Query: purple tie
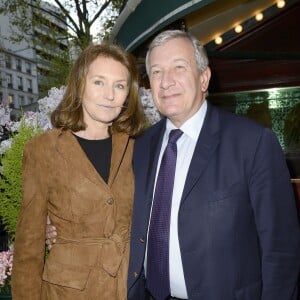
column 158, row 282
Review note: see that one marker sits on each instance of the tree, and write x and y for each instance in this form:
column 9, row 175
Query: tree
column 79, row 17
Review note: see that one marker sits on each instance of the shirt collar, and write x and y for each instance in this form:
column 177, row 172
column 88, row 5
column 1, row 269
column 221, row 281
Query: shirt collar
column 193, row 125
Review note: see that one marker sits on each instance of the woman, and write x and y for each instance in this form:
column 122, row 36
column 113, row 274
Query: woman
column 80, row 174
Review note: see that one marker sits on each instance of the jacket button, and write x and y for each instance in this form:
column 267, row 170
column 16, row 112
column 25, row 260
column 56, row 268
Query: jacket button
column 135, row 274
column 110, row 201
column 142, row 240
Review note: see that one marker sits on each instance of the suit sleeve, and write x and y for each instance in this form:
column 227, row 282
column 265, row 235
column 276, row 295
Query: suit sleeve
column 29, row 247
column 276, row 219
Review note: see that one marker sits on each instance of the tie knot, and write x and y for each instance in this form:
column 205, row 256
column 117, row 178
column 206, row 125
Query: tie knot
column 174, row 135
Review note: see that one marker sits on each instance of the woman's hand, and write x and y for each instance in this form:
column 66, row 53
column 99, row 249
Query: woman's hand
column 50, row 234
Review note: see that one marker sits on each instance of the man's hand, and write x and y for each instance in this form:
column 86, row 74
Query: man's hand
column 50, row 234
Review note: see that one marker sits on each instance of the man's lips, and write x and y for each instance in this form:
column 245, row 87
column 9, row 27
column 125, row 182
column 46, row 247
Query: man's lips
column 164, row 96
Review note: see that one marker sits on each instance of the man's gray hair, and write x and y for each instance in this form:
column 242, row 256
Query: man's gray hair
column 165, row 36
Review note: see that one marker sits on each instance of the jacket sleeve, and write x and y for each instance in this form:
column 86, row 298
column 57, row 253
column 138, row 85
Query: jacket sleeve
column 276, row 219
column 29, row 247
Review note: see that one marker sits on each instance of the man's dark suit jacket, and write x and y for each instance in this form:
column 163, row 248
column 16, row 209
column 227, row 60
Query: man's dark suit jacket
column 237, row 222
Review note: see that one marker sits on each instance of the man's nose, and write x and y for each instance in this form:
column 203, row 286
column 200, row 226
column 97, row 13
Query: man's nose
column 167, row 80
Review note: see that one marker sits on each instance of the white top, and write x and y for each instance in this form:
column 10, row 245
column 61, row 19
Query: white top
column 185, row 149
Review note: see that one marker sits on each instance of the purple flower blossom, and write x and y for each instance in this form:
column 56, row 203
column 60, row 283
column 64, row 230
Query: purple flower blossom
column 151, row 113
column 6, row 263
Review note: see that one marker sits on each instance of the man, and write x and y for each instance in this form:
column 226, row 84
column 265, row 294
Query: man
column 232, row 230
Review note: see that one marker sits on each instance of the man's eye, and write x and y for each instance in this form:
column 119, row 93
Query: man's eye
column 156, row 72
column 180, row 68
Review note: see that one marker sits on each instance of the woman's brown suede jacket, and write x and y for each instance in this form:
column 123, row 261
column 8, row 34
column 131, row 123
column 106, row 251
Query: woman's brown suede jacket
column 90, row 258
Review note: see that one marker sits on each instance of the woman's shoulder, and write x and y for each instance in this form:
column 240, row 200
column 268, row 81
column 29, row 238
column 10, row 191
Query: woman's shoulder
column 45, row 138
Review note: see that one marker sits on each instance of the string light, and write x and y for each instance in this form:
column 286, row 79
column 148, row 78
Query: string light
column 238, row 28
column 259, row 16
column 218, row 40
column 280, row 4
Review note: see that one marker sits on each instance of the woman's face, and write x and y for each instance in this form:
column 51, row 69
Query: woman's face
column 106, row 90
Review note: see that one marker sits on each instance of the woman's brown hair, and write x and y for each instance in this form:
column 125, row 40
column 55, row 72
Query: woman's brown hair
column 69, row 113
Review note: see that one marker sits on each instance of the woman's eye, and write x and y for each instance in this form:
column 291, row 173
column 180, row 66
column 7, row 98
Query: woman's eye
column 120, row 86
column 98, row 82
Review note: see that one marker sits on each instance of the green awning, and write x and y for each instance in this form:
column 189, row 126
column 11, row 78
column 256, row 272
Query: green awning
column 149, row 17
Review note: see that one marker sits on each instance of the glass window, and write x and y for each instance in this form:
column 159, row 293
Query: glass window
column 278, row 109
column 19, row 64
column 8, row 61
column 20, row 82
column 29, row 85
column 9, row 80
column 11, row 100
column 28, row 67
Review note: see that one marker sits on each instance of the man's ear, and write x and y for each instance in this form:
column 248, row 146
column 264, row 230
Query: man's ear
column 204, row 78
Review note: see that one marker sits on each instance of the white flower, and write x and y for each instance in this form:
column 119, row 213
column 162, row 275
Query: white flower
column 151, row 113
column 4, row 115
column 6, row 262
column 47, row 105
column 6, row 144
column 39, row 119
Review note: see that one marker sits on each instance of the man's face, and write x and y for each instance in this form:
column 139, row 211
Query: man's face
column 178, row 87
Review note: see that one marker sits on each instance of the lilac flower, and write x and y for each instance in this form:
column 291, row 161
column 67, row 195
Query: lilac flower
column 151, row 113
column 4, row 115
column 6, row 263
column 6, row 144
column 40, row 119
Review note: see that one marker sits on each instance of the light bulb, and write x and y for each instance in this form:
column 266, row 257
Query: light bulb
column 259, row 17
column 280, row 4
column 238, row 28
column 218, row 40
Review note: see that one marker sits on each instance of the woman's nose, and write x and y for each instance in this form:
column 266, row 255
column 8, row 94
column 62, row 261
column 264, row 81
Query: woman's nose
column 109, row 93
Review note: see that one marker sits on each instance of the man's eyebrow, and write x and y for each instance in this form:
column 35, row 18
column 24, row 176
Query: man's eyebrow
column 182, row 60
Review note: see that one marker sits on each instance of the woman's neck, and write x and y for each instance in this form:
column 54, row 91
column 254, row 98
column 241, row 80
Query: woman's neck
column 98, row 133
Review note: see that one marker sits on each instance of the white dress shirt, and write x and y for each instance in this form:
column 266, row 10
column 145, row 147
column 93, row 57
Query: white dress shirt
column 185, row 150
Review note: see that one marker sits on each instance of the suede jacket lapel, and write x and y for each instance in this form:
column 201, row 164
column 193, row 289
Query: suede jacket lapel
column 72, row 152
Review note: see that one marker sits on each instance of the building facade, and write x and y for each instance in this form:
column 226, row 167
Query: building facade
column 24, row 65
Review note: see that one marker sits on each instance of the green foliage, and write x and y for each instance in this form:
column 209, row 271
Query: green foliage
column 11, row 178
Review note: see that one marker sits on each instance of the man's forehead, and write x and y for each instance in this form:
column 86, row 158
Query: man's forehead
column 171, row 61
column 178, row 48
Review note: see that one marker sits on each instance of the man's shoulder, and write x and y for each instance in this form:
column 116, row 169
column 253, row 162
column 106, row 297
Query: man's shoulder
column 236, row 122
column 151, row 131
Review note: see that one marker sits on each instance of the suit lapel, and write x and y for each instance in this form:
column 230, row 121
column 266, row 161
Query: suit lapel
column 206, row 145
column 154, row 151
